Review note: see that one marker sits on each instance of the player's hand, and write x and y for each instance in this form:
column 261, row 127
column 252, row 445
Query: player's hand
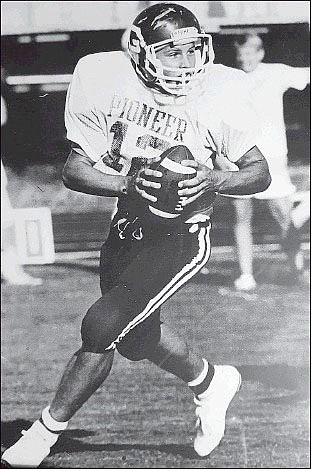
column 144, row 180
column 195, row 187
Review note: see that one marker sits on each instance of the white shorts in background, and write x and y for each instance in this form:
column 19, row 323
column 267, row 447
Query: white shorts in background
column 280, row 187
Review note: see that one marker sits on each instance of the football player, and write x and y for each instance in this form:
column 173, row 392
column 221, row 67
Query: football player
column 121, row 114
column 268, row 83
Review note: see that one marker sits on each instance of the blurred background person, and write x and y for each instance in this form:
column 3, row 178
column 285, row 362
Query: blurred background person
column 268, row 83
column 11, row 270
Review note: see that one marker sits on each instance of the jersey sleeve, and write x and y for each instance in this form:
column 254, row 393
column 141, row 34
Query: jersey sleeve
column 294, row 77
column 81, row 120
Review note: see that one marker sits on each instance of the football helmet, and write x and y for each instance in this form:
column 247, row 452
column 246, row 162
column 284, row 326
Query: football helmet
column 168, row 24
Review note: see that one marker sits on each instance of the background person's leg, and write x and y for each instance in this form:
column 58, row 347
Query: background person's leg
column 12, row 271
column 302, row 212
column 281, row 210
column 244, row 243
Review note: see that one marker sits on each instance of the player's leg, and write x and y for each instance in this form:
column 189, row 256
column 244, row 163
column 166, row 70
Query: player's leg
column 281, row 210
column 214, row 386
column 173, row 354
column 159, row 343
column 175, row 260
column 125, row 306
column 83, row 375
column 89, row 367
column 244, row 243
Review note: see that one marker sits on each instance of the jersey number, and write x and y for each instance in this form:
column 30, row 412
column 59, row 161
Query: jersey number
column 123, row 140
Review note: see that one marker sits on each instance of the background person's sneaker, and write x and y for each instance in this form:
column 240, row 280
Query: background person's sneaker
column 245, row 282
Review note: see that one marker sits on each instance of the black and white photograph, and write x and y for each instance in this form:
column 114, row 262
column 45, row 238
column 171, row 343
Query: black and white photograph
column 155, row 234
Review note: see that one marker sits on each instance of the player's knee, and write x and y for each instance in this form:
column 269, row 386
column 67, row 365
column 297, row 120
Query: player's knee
column 93, row 337
column 99, row 327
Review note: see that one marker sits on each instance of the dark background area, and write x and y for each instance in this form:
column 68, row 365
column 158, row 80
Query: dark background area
column 35, row 131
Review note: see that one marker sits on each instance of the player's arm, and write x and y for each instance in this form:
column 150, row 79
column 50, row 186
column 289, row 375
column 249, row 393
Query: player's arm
column 253, row 177
column 80, row 175
column 90, row 140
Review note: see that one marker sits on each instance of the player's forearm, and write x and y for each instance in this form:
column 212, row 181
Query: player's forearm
column 84, row 178
column 107, row 185
column 253, row 175
column 246, row 181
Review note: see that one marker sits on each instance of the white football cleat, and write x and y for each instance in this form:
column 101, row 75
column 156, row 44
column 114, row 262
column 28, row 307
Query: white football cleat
column 245, row 282
column 30, row 450
column 212, row 406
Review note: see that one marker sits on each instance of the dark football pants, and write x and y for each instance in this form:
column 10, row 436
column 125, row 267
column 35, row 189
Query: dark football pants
column 140, row 268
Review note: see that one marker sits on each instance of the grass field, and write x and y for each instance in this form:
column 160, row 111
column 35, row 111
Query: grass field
column 143, row 417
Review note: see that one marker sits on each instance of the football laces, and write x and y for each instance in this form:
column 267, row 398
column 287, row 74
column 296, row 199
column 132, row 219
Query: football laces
column 179, row 206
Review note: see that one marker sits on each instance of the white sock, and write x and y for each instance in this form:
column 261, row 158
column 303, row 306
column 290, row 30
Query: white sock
column 52, row 424
column 200, row 384
column 200, row 378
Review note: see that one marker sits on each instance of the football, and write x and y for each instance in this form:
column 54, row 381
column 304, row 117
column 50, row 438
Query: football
column 168, row 204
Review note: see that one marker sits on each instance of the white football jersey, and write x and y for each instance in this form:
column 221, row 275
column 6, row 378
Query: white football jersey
column 119, row 122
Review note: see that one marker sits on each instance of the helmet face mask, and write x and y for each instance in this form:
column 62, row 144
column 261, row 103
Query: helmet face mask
column 178, row 27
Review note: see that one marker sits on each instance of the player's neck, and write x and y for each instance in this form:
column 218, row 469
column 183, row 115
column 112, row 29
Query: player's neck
column 163, row 99
column 177, row 100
